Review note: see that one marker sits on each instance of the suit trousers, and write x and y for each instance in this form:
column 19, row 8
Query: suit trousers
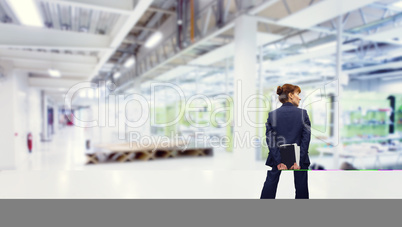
column 271, row 183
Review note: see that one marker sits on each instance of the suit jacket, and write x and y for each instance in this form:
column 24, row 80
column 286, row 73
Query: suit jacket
column 286, row 125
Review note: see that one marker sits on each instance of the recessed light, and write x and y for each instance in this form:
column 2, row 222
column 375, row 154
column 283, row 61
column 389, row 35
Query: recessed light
column 129, row 62
column 54, row 73
column 116, row 75
column 154, row 39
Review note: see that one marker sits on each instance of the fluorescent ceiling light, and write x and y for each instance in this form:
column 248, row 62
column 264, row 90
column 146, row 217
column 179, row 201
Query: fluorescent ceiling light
column 154, row 39
column 27, row 12
column 116, row 75
column 397, row 4
column 129, row 62
column 54, row 73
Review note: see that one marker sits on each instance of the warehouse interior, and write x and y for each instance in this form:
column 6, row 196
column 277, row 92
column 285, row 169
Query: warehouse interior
column 85, row 81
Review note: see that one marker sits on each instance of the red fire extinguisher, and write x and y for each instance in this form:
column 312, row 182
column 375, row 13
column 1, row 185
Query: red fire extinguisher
column 30, row 142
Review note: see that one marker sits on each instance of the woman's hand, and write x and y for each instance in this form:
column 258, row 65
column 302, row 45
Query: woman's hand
column 295, row 166
column 282, row 167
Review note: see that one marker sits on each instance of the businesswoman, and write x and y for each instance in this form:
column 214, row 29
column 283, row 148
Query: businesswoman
column 286, row 125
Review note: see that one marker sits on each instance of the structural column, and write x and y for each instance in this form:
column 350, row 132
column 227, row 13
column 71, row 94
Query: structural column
column 337, row 140
column 7, row 118
column 136, row 112
column 146, row 128
column 245, row 79
column 45, row 119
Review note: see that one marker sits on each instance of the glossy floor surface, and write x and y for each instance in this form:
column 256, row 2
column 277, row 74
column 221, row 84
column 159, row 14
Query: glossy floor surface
column 57, row 170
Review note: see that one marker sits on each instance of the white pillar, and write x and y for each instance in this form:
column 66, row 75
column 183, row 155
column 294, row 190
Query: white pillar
column 135, row 111
column 7, row 117
column 261, row 104
column 146, row 127
column 45, row 128
column 338, row 91
column 245, row 76
column 56, row 118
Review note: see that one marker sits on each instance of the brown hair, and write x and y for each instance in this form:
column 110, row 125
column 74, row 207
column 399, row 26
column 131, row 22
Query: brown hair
column 284, row 91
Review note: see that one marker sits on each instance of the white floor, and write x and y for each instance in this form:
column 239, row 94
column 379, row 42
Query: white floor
column 57, row 170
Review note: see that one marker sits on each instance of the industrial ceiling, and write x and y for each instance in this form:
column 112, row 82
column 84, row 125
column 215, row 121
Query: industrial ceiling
column 92, row 40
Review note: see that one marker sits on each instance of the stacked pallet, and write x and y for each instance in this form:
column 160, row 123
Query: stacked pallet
column 128, row 152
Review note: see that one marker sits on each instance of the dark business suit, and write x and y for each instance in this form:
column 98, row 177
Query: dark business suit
column 286, row 125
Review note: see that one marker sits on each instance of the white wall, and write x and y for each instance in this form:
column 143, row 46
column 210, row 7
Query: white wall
column 7, row 151
column 20, row 115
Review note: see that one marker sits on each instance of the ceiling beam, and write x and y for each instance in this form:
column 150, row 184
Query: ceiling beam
column 228, row 50
column 124, row 51
column 34, row 37
column 321, row 12
column 36, row 56
column 179, row 55
column 384, row 36
column 53, row 82
column 258, row 9
column 378, row 75
column 165, row 11
column 254, row 11
column 304, row 56
column 324, row 11
column 42, row 67
column 390, row 65
column 123, row 7
column 132, row 39
column 119, row 35
column 145, row 28
column 303, row 19
column 210, row 58
column 59, row 48
column 44, row 71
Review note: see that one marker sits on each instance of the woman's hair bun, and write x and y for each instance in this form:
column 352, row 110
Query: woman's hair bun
column 279, row 90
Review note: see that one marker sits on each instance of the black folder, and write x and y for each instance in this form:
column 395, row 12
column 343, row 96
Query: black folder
column 288, row 154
